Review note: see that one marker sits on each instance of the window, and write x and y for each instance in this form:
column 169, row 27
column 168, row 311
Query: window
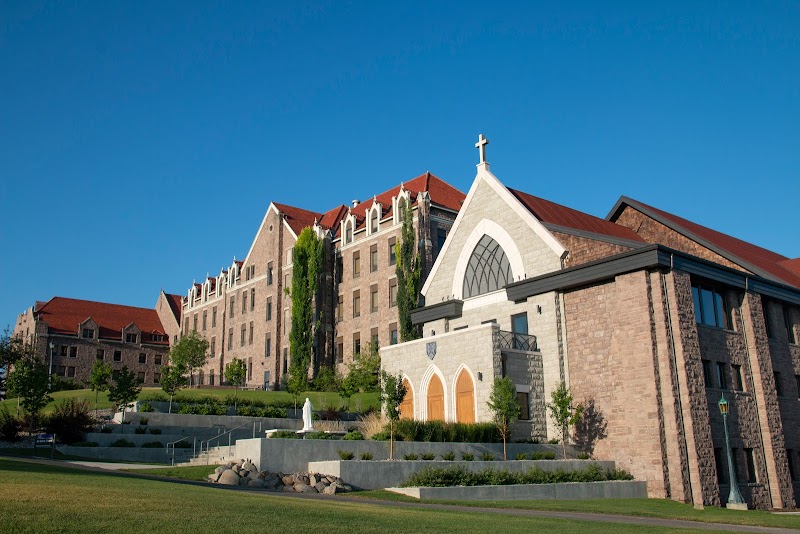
column 210, row 377
column 131, row 338
column 142, row 357
column 441, row 237
column 340, row 309
column 269, row 308
column 269, row 274
column 252, row 299
column 338, row 268
column 373, row 221
column 357, row 343
column 722, row 472
column 524, row 411
column 233, row 301
column 356, row 303
column 157, row 359
column 285, row 359
column 792, row 467
column 488, row 269
column 373, row 258
column 61, row 370
column 88, row 333
column 213, row 347
column 244, row 301
column 356, row 264
column 157, row 378
column 750, row 464
column 214, row 317
column 230, row 338
column 115, row 374
column 710, row 308
column 250, row 336
column 348, row 232
column 289, row 255
column 244, row 333
column 738, row 384
column 268, row 347
column 797, row 382
column 73, row 352
column 778, row 384
column 707, row 373
column 392, row 256
column 392, row 292
column 101, row 354
column 787, row 320
column 373, row 335
column 723, row 383
column 117, row 355
column 140, row 376
column 339, row 350
column 194, row 327
column 70, row 372
column 249, row 368
column 373, row 299
column 519, row 326
column 64, row 350
column 287, row 281
column 393, row 333
column 769, row 318
column 205, row 316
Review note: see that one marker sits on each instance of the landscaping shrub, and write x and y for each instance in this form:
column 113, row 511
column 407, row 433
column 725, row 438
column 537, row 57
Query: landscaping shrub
column 521, row 456
column 428, row 456
column 145, row 407
column 265, row 411
column 554, row 441
column 353, row 435
column 9, row 426
column 542, row 456
column 460, row 476
column 140, row 430
column 345, row 455
column 366, row 456
column 584, row 456
column 384, row 436
column 410, row 456
column 106, row 429
column 85, row 444
column 286, row 434
column 154, row 430
column 331, row 413
column 207, row 407
column 449, row 456
column 64, row 384
column 152, row 445
column 122, row 443
column 143, row 421
column 467, row 456
column 319, row 435
column 70, row 421
column 487, row 457
column 440, row 431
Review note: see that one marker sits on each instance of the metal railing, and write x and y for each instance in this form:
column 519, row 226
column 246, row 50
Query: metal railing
column 229, row 433
column 517, row 341
column 194, row 443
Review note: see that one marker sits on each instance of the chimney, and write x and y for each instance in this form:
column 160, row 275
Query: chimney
column 355, row 202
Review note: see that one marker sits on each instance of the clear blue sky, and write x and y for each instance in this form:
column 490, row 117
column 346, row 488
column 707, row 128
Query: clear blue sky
column 141, row 142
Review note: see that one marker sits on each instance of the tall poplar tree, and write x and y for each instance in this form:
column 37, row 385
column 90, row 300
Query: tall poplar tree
column 408, row 275
column 306, row 268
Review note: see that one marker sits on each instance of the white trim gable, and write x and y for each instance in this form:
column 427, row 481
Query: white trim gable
column 535, row 224
column 261, row 227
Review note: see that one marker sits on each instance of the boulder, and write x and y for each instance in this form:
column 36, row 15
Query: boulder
column 255, row 483
column 287, row 488
column 303, row 488
column 320, row 487
column 249, row 466
column 272, row 482
column 312, row 480
column 333, row 489
column 288, row 480
column 229, row 478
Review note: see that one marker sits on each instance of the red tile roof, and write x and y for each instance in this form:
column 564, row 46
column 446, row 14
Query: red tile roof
column 751, row 257
column 298, row 218
column 551, row 213
column 64, row 315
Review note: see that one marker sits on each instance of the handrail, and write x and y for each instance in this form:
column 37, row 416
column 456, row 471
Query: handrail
column 229, row 433
column 517, row 341
column 194, row 444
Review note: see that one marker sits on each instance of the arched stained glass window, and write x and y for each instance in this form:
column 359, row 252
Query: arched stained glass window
column 488, row 269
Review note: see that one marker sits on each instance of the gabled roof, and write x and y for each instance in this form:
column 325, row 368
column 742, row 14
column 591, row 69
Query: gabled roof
column 561, row 218
column 298, row 218
column 64, row 315
column 753, row 258
column 175, row 305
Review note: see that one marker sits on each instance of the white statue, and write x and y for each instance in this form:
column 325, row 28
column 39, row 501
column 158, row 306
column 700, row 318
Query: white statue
column 308, row 424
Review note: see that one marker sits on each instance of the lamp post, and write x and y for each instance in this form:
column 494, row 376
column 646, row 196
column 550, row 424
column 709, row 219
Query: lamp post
column 735, row 500
column 50, row 371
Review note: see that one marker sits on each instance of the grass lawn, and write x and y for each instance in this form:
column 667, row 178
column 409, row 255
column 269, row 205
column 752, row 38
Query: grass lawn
column 190, row 472
column 42, row 499
column 359, row 401
column 44, row 452
column 636, row 507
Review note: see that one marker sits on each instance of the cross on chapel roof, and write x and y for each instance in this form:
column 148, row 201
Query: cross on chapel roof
column 481, row 146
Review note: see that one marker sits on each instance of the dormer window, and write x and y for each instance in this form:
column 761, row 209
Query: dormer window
column 373, row 221
column 348, row 232
column 88, row 333
column 130, row 338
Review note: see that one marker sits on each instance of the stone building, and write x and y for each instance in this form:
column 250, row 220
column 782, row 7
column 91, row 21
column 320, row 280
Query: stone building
column 244, row 311
column 647, row 317
column 69, row 335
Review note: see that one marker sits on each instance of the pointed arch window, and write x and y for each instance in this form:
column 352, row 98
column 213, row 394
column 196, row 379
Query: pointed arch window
column 373, row 221
column 348, row 232
column 488, row 269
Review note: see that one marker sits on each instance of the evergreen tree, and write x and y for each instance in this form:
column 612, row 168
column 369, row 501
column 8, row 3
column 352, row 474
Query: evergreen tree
column 306, row 269
column 408, row 274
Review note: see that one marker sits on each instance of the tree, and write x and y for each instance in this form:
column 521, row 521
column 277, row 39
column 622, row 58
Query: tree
column 408, row 275
column 29, row 381
column 12, row 349
column 364, row 373
column 189, row 353
column 296, row 380
column 98, row 381
column 124, row 390
column 235, row 373
column 505, row 407
column 393, row 391
column 564, row 414
column 172, row 380
column 306, row 268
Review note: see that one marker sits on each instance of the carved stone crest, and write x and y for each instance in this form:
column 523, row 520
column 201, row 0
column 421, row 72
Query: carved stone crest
column 430, row 348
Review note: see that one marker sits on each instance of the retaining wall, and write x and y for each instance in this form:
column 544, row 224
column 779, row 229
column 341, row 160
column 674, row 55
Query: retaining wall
column 613, row 489
column 128, row 454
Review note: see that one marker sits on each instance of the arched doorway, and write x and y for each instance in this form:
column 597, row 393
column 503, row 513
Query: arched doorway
column 407, row 406
column 465, row 398
column 435, row 399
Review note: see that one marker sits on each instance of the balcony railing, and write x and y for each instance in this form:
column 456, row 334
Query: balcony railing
column 516, row 341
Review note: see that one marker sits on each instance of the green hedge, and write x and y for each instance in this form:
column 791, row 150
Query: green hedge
column 205, row 408
column 286, row 434
column 439, row 431
column 439, row 477
column 267, row 411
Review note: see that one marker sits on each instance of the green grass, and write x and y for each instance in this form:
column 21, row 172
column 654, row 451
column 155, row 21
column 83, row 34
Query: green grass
column 42, row 499
column 44, row 453
column 661, row 508
column 319, row 399
column 192, row 472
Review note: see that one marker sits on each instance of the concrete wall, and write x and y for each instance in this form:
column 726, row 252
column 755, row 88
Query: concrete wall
column 209, row 421
column 129, row 454
column 616, row 489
